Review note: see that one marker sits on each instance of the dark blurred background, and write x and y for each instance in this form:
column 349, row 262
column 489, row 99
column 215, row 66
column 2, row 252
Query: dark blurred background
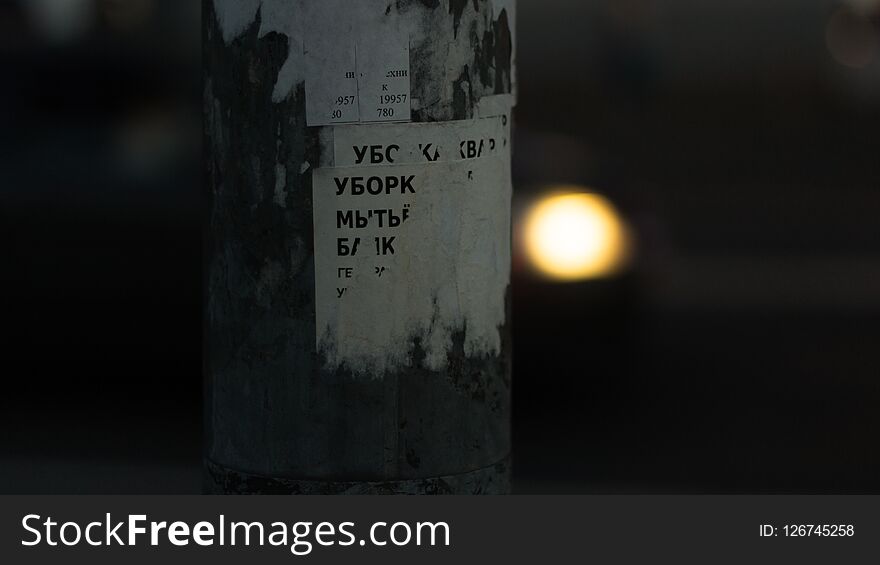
column 734, row 347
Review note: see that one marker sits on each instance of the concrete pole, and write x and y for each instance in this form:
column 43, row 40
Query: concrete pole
column 358, row 245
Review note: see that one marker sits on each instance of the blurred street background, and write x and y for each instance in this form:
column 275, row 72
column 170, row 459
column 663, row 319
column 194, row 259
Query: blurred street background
column 718, row 332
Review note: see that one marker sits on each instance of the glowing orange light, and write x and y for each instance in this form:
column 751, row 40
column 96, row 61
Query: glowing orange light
column 576, row 236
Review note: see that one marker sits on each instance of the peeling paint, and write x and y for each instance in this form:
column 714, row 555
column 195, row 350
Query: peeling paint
column 457, row 8
column 331, row 19
column 234, row 16
column 280, row 183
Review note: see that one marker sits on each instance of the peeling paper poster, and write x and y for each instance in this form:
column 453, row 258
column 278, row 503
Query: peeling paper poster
column 383, row 79
column 363, row 82
column 421, row 142
column 332, row 86
column 410, row 253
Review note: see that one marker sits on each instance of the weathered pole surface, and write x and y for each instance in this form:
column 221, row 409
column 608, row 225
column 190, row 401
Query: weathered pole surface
column 358, row 232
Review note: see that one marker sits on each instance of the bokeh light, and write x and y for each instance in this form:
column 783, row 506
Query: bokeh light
column 852, row 35
column 576, row 236
column 60, row 21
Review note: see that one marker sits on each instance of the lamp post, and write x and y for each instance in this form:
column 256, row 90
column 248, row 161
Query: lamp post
column 358, row 245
